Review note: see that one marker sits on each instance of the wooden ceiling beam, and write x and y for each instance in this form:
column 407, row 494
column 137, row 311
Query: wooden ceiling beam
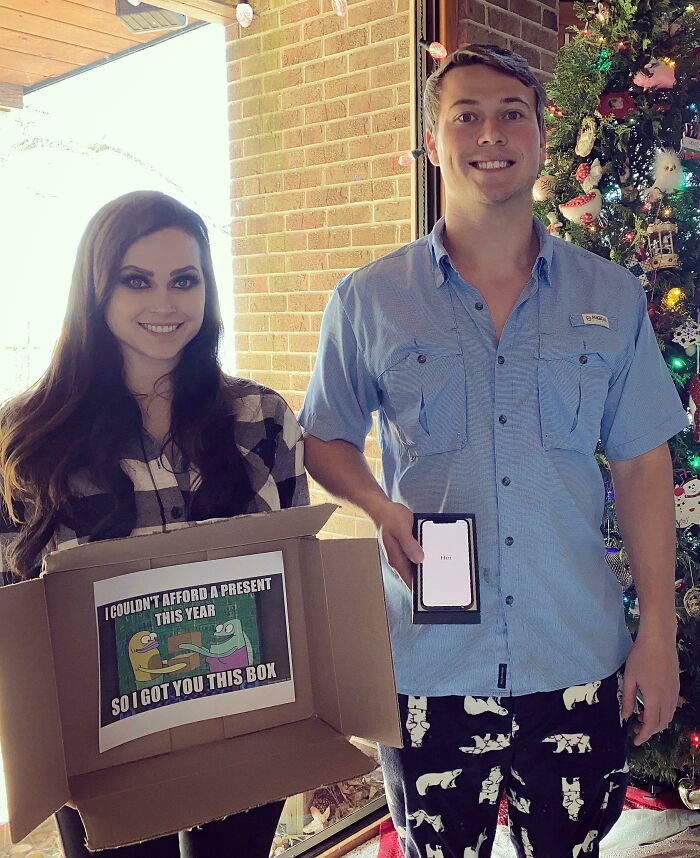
column 212, row 11
column 11, row 96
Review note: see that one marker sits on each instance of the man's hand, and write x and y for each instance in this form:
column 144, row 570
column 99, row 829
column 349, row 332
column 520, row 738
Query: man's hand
column 652, row 667
column 394, row 522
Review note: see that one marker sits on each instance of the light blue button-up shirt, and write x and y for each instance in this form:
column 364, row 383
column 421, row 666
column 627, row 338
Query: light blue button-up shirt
column 506, row 430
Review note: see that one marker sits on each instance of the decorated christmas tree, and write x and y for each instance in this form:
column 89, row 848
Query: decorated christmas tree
column 623, row 180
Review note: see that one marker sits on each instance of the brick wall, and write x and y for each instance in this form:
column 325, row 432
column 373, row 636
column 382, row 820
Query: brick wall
column 319, row 111
column 526, row 26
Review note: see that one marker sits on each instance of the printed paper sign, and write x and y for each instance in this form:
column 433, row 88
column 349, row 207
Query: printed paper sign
column 190, row 642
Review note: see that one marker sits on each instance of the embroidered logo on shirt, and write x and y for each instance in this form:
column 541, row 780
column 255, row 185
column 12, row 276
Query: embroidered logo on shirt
column 595, row 319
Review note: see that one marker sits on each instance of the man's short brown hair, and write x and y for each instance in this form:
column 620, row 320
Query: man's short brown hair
column 497, row 58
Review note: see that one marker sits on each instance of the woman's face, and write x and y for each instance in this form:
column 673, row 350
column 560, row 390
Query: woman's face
column 157, row 304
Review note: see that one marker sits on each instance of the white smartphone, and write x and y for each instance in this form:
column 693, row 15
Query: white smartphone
column 446, row 575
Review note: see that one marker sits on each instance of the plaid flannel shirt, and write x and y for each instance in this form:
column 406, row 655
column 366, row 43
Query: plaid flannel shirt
column 268, row 437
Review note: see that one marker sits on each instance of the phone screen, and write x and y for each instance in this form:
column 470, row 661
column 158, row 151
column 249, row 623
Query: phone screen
column 446, row 572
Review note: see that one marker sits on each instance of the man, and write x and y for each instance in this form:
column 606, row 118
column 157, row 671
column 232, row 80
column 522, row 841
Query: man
column 497, row 356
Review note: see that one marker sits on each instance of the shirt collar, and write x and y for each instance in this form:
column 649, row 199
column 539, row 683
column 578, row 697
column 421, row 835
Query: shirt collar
column 442, row 263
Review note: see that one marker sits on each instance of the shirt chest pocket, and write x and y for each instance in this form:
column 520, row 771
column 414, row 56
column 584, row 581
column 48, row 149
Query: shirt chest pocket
column 424, row 400
column 573, row 380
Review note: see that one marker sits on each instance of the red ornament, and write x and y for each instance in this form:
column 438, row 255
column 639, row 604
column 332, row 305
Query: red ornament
column 695, row 741
column 586, row 218
column 617, row 104
column 582, row 171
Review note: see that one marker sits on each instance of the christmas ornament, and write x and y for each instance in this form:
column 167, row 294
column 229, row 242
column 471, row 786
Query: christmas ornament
column 603, row 13
column 668, row 171
column 588, row 175
column 693, row 403
column 543, row 189
column 628, row 190
column 689, row 791
column 687, row 336
column 656, row 74
column 617, row 104
column 691, row 602
column 690, row 141
column 688, row 507
column 585, row 204
column 660, row 245
column 340, row 7
column 619, row 567
column 586, row 137
column 555, row 224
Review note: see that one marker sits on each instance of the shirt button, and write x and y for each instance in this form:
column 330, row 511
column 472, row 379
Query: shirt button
column 509, row 600
column 176, row 511
column 501, row 360
column 583, row 359
column 478, row 306
column 506, row 481
column 422, row 358
column 503, row 419
column 509, row 540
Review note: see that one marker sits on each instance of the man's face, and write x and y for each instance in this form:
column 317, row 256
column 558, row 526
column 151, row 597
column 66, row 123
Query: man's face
column 486, row 142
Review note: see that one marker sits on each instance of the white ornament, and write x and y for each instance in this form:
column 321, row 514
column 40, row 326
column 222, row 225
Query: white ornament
column 587, row 204
column 244, row 14
column 668, row 170
column 687, row 336
column 586, row 137
column 543, row 189
column 688, row 504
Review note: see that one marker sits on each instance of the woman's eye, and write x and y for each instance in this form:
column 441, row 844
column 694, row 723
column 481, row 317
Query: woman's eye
column 513, row 114
column 186, row 282
column 135, row 282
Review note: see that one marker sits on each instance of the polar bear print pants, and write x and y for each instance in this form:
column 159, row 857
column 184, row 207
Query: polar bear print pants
column 558, row 756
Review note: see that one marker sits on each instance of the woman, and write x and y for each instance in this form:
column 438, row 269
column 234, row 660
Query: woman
column 134, row 427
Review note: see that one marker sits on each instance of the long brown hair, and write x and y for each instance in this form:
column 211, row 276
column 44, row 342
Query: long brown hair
column 80, row 415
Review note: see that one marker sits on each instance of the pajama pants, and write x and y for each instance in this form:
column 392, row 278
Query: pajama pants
column 559, row 757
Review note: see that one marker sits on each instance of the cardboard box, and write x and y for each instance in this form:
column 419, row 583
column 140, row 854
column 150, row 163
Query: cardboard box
column 190, row 774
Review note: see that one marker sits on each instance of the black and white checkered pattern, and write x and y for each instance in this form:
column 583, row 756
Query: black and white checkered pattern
column 267, row 435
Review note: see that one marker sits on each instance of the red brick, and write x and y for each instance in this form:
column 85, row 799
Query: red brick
column 357, row 126
column 349, row 40
column 300, row 12
column 504, row 22
column 342, row 173
column 346, row 85
column 323, row 197
column 373, row 10
column 296, row 54
column 326, row 69
column 392, row 28
column 378, row 55
column 350, row 215
column 326, row 111
column 528, row 9
column 390, row 120
column 281, row 38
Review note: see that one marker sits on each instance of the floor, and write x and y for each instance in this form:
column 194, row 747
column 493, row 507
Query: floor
column 638, row 834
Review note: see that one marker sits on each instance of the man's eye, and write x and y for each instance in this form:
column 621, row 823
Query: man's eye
column 465, row 117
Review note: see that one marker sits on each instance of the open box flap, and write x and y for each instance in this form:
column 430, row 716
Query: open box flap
column 360, row 635
column 200, row 537
column 30, row 723
column 132, row 803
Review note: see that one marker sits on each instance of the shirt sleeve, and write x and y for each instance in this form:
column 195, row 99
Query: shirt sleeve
column 288, row 468
column 643, row 408
column 342, row 393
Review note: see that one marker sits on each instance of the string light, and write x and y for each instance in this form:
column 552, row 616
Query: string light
column 622, row 46
column 672, row 297
column 695, row 741
column 340, row 7
column 678, row 363
column 407, row 158
column 667, row 211
column 556, row 112
column 694, row 463
column 244, row 14
column 436, row 49
column 629, row 236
